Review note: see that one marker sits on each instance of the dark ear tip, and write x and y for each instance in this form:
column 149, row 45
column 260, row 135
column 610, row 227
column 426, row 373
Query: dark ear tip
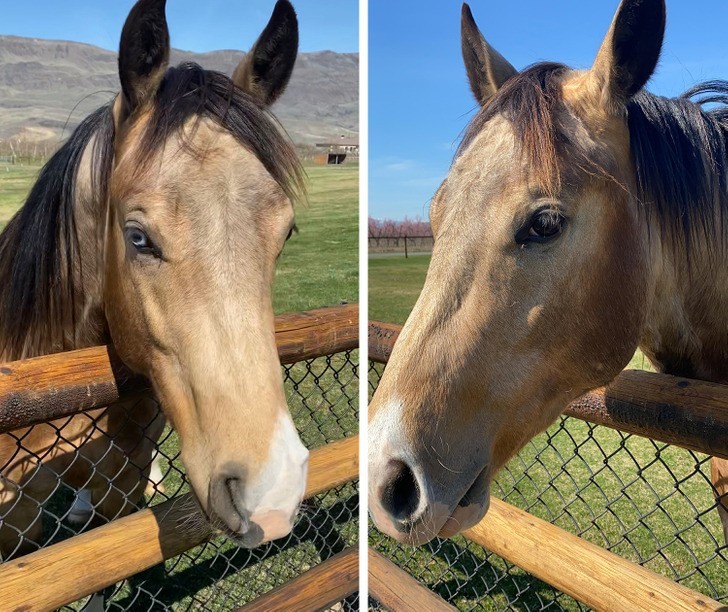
column 145, row 7
column 467, row 21
column 656, row 7
column 284, row 8
column 152, row 4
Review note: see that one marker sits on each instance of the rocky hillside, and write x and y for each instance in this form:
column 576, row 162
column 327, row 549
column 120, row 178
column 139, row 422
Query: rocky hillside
column 46, row 85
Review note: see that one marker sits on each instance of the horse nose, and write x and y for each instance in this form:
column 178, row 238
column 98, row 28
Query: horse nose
column 399, row 493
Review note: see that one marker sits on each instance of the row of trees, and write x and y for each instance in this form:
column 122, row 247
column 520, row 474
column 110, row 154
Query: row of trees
column 393, row 228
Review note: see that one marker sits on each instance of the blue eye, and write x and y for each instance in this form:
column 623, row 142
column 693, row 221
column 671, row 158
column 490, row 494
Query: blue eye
column 137, row 238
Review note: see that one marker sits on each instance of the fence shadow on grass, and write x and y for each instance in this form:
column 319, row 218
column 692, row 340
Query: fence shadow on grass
column 161, row 587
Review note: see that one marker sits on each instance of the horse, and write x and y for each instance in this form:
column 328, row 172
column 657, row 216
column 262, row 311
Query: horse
column 156, row 228
column 582, row 218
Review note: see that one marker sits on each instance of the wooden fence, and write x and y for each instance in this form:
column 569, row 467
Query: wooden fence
column 403, row 245
column 45, row 388
column 687, row 413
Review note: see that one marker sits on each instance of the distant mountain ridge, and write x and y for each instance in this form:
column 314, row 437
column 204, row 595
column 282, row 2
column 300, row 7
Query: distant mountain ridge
column 41, row 81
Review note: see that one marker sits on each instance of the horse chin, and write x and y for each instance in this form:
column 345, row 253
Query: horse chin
column 259, row 529
column 426, row 528
column 250, row 539
column 464, row 517
column 470, row 509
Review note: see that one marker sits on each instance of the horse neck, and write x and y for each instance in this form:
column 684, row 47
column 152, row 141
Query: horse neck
column 686, row 331
column 88, row 327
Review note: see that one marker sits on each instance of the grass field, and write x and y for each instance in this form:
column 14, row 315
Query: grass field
column 648, row 502
column 320, row 264
column 15, row 182
column 319, row 267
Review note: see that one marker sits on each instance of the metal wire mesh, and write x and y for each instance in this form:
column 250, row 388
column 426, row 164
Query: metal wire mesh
column 323, row 398
column 646, row 501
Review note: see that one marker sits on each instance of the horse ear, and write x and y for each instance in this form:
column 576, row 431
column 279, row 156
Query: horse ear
column 143, row 52
column 487, row 69
column 266, row 69
column 630, row 52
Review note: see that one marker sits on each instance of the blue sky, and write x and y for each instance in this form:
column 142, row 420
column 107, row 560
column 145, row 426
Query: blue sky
column 419, row 99
column 195, row 25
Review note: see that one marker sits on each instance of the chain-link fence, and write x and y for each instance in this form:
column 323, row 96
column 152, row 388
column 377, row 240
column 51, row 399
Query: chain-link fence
column 39, row 507
column 646, row 501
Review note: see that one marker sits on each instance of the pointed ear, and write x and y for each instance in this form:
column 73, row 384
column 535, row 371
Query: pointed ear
column 487, row 69
column 630, row 52
column 143, row 53
column 266, row 69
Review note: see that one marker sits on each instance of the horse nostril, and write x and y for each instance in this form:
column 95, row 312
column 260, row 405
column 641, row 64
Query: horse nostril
column 225, row 497
column 232, row 486
column 401, row 494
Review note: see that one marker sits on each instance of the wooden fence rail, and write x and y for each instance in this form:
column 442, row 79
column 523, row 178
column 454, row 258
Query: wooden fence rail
column 692, row 414
column 320, row 587
column 395, row 589
column 595, row 576
column 46, row 388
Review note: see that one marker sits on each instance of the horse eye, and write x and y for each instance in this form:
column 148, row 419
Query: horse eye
column 294, row 228
column 545, row 225
column 139, row 240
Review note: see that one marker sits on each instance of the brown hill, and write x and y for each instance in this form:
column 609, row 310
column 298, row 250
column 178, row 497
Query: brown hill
column 49, row 85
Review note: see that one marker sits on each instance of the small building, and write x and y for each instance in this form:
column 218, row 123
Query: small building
column 337, row 151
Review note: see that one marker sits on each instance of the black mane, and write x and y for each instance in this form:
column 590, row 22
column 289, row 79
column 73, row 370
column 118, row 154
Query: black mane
column 680, row 151
column 39, row 248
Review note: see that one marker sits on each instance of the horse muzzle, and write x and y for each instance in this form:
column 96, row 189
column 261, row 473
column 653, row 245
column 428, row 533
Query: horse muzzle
column 405, row 505
column 252, row 511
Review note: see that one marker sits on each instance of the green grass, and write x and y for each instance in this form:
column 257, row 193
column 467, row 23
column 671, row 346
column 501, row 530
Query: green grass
column 320, row 264
column 15, row 182
column 647, row 502
column 394, row 285
column 317, row 268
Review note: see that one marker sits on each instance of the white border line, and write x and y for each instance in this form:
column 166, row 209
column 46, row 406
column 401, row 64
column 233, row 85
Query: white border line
column 363, row 299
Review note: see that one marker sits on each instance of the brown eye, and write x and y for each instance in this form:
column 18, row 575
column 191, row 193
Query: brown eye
column 545, row 225
column 294, row 229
